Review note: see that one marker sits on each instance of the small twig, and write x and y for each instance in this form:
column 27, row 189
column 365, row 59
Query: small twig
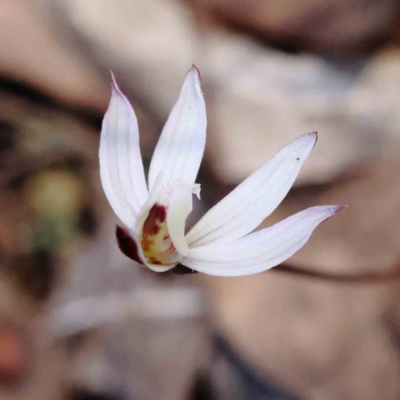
column 358, row 277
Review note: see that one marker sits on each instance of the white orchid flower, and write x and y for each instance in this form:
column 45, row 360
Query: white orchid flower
column 155, row 213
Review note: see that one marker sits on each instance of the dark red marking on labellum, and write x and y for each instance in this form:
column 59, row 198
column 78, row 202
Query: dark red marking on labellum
column 158, row 214
column 127, row 244
column 155, row 261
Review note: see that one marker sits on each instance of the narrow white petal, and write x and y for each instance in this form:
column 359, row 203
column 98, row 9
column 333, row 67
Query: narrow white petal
column 254, row 199
column 178, row 210
column 181, row 146
column 260, row 250
column 121, row 167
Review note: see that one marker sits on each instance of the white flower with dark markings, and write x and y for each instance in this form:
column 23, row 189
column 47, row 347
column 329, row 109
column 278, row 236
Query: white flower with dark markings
column 154, row 213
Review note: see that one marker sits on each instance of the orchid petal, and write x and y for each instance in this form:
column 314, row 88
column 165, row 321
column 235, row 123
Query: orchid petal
column 121, row 168
column 180, row 207
column 181, row 145
column 128, row 243
column 260, row 250
column 254, row 199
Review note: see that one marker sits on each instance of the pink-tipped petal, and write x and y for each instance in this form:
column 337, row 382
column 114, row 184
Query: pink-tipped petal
column 260, row 250
column 254, row 199
column 121, row 168
column 181, row 145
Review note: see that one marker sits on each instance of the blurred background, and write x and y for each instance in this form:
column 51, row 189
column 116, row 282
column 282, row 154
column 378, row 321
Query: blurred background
column 79, row 321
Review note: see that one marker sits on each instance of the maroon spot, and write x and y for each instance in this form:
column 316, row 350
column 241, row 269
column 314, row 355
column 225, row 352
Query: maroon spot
column 127, row 244
column 155, row 261
column 157, row 213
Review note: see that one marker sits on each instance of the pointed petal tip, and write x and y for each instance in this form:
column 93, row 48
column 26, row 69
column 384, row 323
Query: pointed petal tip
column 194, row 69
column 313, row 136
column 334, row 210
column 197, row 76
column 114, row 83
column 340, row 207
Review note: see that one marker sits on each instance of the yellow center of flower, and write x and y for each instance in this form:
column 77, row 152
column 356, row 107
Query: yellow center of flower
column 155, row 239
